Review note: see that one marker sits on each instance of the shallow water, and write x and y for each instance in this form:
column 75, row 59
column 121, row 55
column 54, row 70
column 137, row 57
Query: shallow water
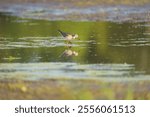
column 33, row 49
column 61, row 11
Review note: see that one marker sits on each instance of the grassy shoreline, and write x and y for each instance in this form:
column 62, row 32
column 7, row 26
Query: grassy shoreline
column 73, row 89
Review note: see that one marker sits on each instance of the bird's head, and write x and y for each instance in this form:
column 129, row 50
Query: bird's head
column 75, row 36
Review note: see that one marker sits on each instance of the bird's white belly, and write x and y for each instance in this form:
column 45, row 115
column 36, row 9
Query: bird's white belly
column 69, row 37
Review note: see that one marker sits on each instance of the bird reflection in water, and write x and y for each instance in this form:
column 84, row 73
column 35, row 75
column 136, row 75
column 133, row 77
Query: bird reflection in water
column 69, row 52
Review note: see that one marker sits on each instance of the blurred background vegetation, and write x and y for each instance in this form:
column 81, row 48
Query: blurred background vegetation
column 83, row 2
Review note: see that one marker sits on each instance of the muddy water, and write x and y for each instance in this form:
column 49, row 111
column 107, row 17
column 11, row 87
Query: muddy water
column 33, row 49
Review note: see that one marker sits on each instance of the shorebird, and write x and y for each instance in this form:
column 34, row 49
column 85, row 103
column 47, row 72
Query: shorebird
column 68, row 36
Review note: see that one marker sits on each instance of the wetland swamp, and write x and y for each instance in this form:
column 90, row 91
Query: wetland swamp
column 112, row 59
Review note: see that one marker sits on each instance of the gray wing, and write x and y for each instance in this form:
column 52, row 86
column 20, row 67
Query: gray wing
column 63, row 33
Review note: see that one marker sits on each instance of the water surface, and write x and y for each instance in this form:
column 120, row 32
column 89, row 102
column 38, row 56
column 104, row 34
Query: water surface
column 33, row 49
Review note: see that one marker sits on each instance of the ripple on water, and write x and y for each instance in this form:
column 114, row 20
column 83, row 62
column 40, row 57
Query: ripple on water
column 131, row 42
column 35, row 42
column 36, row 71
